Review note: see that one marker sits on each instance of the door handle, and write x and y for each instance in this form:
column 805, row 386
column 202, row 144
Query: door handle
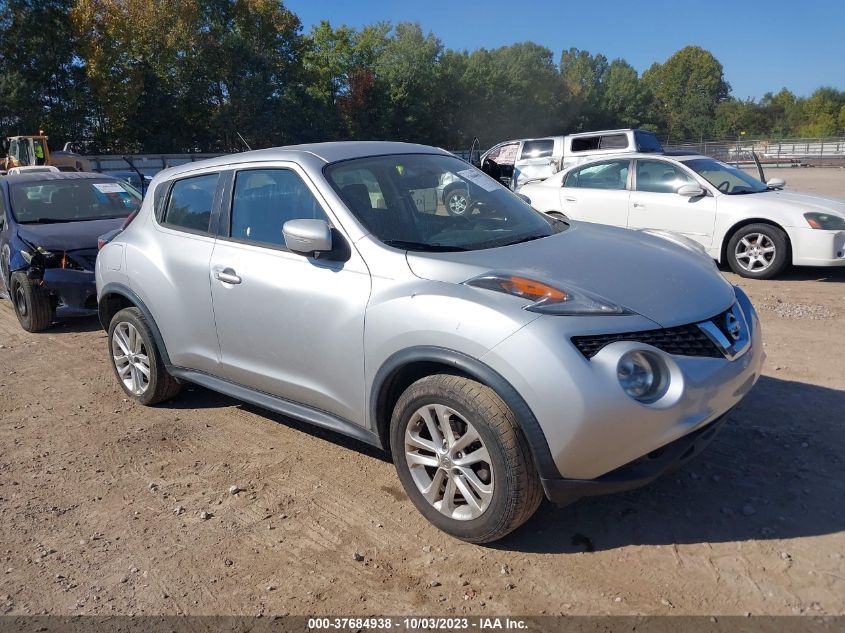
column 639, row 205
column 570, row 199
column 227, row 276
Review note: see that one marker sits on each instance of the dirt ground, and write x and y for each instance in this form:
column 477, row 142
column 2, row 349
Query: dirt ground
column 100, row 499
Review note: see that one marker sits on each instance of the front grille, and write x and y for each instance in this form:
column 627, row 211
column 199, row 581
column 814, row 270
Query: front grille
column 683, row 340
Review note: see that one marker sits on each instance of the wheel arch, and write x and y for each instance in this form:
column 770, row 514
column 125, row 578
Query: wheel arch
column 450, row 188
column 403, row 368
column 115, row 297
column 729, row 233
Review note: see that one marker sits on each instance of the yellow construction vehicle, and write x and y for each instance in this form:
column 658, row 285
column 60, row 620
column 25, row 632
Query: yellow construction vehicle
column 25, row 151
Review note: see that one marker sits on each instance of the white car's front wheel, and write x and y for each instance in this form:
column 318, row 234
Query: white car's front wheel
column 758, row 251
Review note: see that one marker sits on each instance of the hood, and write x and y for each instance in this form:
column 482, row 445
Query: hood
column 67, row 236
column 649, row 275
column 805, row 202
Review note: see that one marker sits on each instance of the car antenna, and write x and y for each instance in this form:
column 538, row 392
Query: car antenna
column 137, row 171
column 243, row 141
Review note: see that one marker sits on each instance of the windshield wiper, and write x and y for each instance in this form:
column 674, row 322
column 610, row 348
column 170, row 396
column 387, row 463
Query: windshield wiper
column 527, row 238
column 48, row 220
column 423, row 246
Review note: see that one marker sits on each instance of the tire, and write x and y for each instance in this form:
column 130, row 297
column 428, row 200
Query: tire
column 755, row 240
column 31, row 302
column 513, row 491
column 129, row 330
column 457, row 202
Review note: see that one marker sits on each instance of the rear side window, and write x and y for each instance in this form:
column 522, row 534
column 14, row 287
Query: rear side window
column 647, row 142
column 609, row 175
column 537, row 149
column 614, row 141
column 585, row 143
column 190, row 202
column 265, row 199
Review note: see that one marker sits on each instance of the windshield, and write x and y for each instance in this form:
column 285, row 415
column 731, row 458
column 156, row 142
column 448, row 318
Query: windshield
column 725, row 178
column 433, row 202
column 72, row 200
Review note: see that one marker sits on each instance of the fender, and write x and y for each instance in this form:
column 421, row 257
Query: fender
column 128, row 294
column 474, row 368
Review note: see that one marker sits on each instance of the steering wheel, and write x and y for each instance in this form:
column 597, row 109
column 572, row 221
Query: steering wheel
column 724, row 186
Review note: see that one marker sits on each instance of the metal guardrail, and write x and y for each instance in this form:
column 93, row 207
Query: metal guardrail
column 809, row 151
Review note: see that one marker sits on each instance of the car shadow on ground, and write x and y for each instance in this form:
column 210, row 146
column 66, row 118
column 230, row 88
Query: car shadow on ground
column 74, row 325
column 804, row 273
column 196, row 397
column 774, row 472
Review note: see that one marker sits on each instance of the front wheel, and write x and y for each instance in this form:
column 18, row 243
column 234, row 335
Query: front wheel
column 137, row 362
column 32, row 303
column 758, row 251
column 463, row 459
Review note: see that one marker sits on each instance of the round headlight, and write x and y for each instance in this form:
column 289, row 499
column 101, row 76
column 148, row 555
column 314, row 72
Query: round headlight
column 642, row 376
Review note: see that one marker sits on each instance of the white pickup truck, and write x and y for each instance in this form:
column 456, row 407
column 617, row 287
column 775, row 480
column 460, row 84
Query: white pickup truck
column 518, row 162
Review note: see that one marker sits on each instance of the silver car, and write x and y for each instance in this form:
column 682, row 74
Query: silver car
column 500, row 355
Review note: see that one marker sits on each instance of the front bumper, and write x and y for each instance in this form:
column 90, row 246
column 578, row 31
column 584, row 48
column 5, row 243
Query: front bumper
column 75, row 290
column 590, row 426
column 815, row 247
column 637, row 473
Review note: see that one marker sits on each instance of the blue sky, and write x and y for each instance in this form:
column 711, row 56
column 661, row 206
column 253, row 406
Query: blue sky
column 763, row 46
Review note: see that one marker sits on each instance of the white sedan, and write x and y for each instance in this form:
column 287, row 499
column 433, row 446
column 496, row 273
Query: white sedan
column 754, row 226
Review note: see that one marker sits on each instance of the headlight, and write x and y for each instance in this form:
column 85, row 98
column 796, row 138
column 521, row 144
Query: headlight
column 547, row 299
column 825, row 221
column 642, row 376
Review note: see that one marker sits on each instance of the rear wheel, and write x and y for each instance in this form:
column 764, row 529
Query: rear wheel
column 758, row 251
column 462, row 458
column 457, row 202
column 32, row 303
column 136, row 360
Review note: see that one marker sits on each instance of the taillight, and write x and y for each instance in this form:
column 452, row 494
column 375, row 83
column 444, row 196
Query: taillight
column 100, row 243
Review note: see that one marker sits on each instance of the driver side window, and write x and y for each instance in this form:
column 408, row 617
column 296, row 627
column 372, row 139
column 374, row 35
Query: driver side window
column 657, row 176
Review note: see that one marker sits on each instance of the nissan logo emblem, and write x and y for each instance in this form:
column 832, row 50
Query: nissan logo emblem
column 733, row 325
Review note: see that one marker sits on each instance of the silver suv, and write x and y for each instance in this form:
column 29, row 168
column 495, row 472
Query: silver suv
column 499, row 355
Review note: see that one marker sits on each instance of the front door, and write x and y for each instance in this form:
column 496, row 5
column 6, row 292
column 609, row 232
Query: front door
column 597, row 192
column 289, row 325
column 535, row 161
column 655, row 203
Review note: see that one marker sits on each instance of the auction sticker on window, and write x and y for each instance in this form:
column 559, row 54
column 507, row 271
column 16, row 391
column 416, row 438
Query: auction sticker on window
column 108, row 187
column 479, row 178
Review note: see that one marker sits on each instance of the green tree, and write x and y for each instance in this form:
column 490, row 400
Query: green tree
column 42, row 81
column 625, row 100
column 583, row 78
column 687, row 88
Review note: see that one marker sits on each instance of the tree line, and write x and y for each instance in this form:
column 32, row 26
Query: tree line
column 189, row 75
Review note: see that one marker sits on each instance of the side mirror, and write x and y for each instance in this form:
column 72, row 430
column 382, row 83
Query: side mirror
column 690, row 191
column 776, row 183
column 306, row 237
column 524, row 198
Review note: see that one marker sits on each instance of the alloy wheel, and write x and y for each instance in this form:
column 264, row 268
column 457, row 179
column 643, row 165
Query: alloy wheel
column 130, row 358
column 755, row 252
column 458, row 203
column 449, row 462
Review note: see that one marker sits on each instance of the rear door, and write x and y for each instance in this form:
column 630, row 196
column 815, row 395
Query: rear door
column 289, row 325
column 597, row 192
column 655, row 203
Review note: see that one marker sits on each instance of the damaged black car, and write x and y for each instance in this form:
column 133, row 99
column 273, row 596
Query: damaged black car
column 49, row 224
